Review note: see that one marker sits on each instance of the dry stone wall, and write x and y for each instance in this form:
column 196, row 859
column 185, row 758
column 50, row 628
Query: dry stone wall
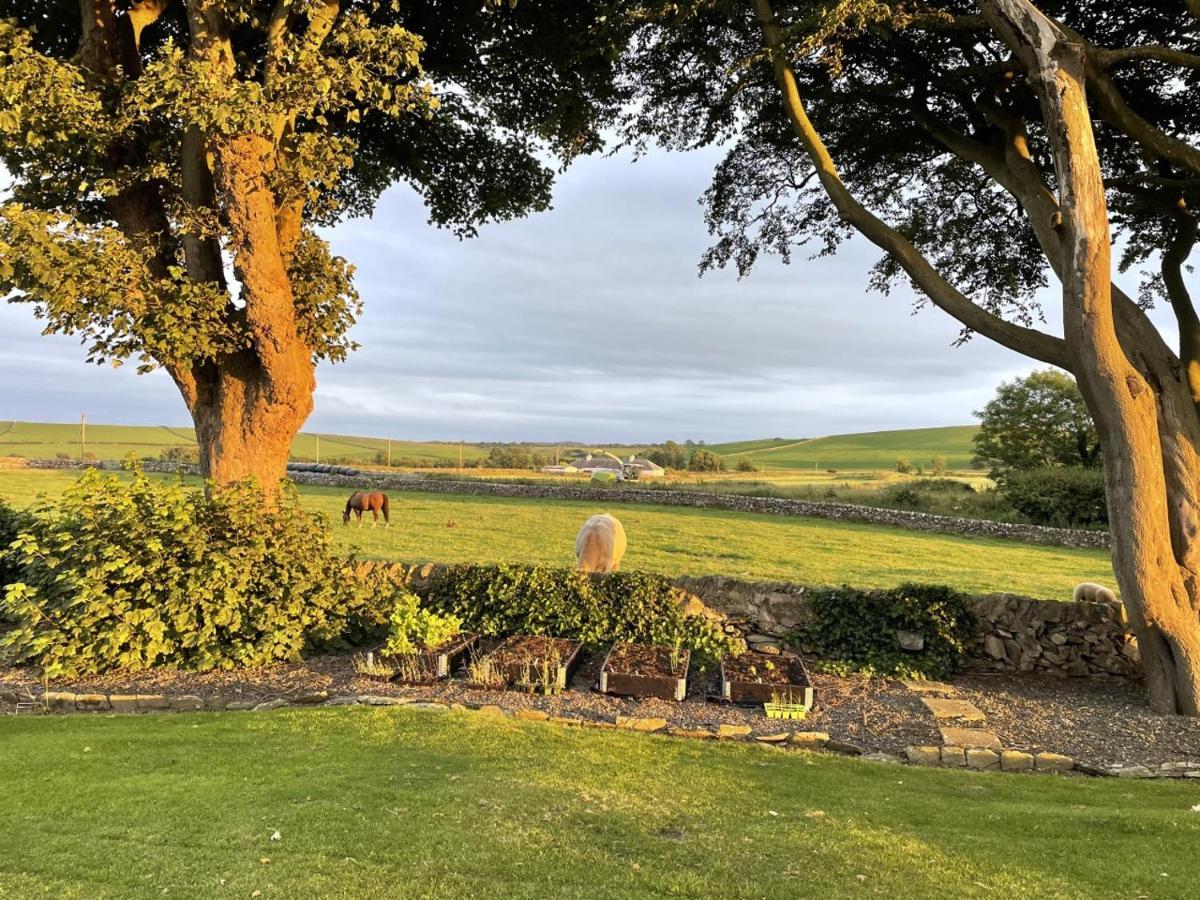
column 848, row 512
column 1015, row 634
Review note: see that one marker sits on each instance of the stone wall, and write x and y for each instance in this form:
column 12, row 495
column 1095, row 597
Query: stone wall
column 1015, row 634
column 914, row 521
column 627, row 493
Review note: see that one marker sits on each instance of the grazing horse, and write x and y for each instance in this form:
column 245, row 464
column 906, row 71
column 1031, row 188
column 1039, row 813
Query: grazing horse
column 361, row 501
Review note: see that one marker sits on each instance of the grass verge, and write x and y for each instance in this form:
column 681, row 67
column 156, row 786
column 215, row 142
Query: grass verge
column 402, row 803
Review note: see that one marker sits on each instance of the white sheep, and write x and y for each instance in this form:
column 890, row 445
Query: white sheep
column 600, row 545
column 1089, row 592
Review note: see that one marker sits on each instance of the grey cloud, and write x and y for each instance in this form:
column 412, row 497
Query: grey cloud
column 587, row 322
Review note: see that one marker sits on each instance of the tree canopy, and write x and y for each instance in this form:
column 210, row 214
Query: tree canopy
column 1036, row 422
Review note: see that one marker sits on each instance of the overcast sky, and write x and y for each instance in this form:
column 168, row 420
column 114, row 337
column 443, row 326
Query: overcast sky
column 585, row 323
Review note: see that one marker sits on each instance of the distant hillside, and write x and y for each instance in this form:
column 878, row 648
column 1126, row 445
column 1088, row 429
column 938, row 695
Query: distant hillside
column 873, row 450
column 870, row 450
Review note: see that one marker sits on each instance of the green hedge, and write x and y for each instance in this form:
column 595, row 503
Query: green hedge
column 624, row 606
column 1065, row 497
column 858, row 628
column 133, row 573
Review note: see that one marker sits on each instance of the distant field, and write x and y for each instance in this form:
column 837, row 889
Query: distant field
column 43, row 439
column 681, row 541
column 871, row 450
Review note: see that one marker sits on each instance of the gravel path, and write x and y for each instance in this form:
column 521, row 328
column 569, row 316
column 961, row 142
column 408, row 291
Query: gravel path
column 1098, row 722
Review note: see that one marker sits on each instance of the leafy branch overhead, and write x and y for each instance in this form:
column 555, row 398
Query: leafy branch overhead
column 114, row 125
column 80, row 141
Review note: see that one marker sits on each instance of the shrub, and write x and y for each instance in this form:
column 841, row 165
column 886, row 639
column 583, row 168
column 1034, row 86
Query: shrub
column 859, row 627
column 624, row 606
column 903, row 466
column 745, row 464
column 139, row 573
column 413, row 627
column 11, row 522
column 180, row 453
column 705, row 461
column 1066, row 497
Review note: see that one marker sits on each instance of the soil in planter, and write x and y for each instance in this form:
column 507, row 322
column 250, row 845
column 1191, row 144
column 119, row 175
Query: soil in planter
column 641, row 670
column 765, row 678
column 530, row 663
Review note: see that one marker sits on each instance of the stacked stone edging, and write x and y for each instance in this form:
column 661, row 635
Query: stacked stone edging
column 846, row 512
column 1016, row 634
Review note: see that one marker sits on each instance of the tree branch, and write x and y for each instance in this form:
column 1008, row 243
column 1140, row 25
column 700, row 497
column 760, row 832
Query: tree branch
column 1173, row 260
column 1108, row 58
column 1027, row 341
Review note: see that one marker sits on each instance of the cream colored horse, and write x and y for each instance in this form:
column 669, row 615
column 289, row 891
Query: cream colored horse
column 600, row 545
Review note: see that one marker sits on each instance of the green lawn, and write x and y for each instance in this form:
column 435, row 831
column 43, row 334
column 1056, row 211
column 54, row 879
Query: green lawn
column 405, row 803
column 677, row 541
column 872, row 450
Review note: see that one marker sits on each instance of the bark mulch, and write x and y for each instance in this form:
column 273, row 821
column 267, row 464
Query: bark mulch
column 1098, row 722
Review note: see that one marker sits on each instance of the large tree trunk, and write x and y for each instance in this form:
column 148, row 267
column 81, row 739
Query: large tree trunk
column 1153, row 545
column 247, row 417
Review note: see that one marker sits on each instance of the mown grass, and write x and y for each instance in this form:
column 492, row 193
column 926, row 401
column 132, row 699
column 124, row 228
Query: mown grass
column 404, row 803
column 871, row 450
column 682, row 541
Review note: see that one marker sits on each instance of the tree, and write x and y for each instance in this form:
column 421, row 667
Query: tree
column 984, row 147
column 1036, row 422
column 172, row 160
column 669, row 455
column 937, row 465
column 703, row 460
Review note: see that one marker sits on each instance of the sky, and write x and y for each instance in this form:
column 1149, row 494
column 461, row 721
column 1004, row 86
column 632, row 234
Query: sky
column 589, row 323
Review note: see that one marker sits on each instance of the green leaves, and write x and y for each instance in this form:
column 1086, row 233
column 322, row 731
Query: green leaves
column 130, row 574
column 859, row 628
column 414, row 629
column 542, row 600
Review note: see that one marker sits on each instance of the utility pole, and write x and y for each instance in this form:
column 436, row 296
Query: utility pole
column 318, row 437
column 460, row 449
column 389, row 453
column 82, row 434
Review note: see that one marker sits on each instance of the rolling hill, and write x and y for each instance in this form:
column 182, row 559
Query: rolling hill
column 867, row 451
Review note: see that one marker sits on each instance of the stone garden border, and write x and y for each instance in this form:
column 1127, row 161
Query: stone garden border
column 976, row 758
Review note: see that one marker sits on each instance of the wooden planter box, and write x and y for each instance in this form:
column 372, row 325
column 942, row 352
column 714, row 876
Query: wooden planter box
column 521, row 661
column 434, row 664
column 369, row 659
column 642, row 670
column 759, row 677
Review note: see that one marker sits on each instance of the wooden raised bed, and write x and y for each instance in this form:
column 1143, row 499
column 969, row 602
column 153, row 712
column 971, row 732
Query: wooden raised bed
column 432, row 664
column 764, row 677
column 642, row 670
column 528, row 662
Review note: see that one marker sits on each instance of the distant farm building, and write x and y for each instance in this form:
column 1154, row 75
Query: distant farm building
column 634, row 467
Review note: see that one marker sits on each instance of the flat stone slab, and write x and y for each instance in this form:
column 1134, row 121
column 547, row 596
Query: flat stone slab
column 953, row 709
column 931, row 687
column 970, row 738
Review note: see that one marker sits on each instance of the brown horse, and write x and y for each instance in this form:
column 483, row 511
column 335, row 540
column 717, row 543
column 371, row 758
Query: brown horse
column 361, row 501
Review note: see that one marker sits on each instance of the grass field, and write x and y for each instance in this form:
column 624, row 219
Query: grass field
column 404, row 803
column 850, row 452
column 873, row 450
column 680, row 540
